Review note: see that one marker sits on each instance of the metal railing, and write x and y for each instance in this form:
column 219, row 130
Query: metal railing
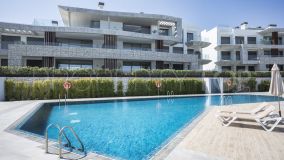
column 46, row 135
column 82, row 149
column 62, row 134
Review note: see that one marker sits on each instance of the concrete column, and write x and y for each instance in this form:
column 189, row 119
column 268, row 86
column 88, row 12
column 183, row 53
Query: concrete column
column 153, row 46
column 153, row 64
column 24, row 39
column 170, row 49
column 233, row 55
column 185, row 66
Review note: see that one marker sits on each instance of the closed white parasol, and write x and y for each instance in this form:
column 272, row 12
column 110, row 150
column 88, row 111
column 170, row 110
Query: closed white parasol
column 276, row 84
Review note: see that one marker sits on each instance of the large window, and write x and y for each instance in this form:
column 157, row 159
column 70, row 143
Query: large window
column 189, row 37
column 35, row 41
column 137, row 46
column 178, row 50
column 4, row 62
column 251, row 40
column 34, row 63
column 74, row 64
column 238, row 55
column 164, row 31
column 251, row 68
column 241, row 68
column 74, row 42
column 6, row 40
column 252, row 55
column 226, row 68
column 190, row 51
column 226, row 55
column 239, row 40
column 95, row 24
column 137, row 28
column 225, row 40
column 133, row 66
column 269, row 67
column 178, row 66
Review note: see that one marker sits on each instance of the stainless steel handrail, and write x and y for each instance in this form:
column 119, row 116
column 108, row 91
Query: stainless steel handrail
column 46, row 135
column 74, row 134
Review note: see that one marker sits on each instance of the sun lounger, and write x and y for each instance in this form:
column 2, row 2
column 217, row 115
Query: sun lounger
column 261, row 117
column 253, row 111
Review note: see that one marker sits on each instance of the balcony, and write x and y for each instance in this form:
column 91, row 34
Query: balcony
column 137, row 29
column 204, row 59
column 193, row 44
column 97, row 51
column 221, row 47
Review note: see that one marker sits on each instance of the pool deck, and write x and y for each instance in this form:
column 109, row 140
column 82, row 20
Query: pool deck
column 241, row 141
column 206, row 140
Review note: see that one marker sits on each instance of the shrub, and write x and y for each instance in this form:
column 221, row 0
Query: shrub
column 230, row 85
column 264, row 86
column 51, row 89
column 144, row 87
column 251, row 84
column 51, row 72
column 119, row 90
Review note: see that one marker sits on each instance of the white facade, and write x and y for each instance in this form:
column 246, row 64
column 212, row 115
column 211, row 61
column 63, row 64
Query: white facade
column 243, row 48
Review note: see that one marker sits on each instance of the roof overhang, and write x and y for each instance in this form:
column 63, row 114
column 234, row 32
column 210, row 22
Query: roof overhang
column 204, row 61
column 270, row 30
column 73, row 15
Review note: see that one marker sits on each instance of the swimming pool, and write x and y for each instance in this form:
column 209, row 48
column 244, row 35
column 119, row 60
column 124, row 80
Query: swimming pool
column 127, row 129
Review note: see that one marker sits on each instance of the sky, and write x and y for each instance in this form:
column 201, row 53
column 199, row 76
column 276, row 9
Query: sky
column 205, row 14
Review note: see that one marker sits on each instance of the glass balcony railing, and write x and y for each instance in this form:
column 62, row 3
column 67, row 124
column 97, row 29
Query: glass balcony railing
column 226, row 58
column 252, row 58
column 162, row 50
column 138, row 49
column 270, row 42
column 76, row 45
column 137, row 29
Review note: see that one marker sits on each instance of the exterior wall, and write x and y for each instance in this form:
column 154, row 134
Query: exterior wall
column 17, row 52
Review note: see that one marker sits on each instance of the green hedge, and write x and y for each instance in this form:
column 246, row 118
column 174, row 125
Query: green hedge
column 144, row 87
column 264, row 86
column 50, row 72
column 246, row 85
column 119, row 91
column 51, row 89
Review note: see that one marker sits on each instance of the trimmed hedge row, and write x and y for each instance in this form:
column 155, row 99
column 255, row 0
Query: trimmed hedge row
column 143, row 87
column 51, row 72
column 51, row 89
column 264, row 86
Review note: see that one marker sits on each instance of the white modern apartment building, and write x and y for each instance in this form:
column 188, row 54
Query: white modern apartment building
column 243, row 48
column 103, row 39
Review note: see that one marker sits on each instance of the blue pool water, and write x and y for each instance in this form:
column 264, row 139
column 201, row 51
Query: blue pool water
column 133, row 129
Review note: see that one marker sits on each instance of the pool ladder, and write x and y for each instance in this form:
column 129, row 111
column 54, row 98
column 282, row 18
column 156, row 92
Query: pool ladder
column 62, row 134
